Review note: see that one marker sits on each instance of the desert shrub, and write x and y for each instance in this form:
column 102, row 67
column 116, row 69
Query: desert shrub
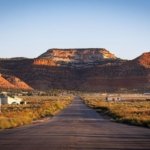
column 132, row 112
column 38, row 107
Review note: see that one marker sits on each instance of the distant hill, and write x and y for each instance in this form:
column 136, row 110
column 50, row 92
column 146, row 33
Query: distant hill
column 12, row 82
column 91, row 69
column 144, row 60
column 5, row 84
column 75, row 57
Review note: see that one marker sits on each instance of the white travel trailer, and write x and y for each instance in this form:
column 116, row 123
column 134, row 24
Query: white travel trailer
column 9, row 100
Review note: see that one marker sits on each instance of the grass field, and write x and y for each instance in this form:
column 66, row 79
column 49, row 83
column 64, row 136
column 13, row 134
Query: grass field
column 131, row 112
column 37, row 107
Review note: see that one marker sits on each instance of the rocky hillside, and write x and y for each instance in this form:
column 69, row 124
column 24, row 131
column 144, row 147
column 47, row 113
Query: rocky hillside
column 59, row 57
column 80, row 69
column 11, row 72
column 5, row 84
column 12, row 82
column 144, row 60
column 17, row 83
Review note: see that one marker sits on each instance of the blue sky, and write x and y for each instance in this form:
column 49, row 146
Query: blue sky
column 30, row 27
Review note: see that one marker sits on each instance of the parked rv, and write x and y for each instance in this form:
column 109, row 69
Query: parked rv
column 9, row 100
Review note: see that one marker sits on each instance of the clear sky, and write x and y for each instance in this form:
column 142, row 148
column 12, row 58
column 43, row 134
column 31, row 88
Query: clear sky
column 30, row 27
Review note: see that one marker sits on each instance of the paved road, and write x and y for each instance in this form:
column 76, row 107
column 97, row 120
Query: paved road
column 77, row 127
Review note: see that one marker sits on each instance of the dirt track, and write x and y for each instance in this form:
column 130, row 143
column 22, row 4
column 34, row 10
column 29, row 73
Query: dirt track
column 77, row 127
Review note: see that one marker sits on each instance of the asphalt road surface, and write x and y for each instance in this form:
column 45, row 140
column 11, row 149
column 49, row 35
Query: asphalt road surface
column 76, row 127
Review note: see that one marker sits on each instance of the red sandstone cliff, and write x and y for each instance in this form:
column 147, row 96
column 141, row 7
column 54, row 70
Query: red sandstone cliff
column 17, row 83
column 144, row 60
column 80, row 69
column 4, row 84
column 12, row 82
column 57, row 57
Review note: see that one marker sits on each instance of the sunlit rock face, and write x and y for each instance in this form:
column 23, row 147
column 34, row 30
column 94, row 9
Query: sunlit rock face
column 4, row 83
column 57, row 57
column 12, row 82
column 17, row 83
column 144, row 59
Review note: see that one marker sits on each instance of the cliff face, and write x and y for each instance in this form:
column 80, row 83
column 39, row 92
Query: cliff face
column 5, row 84
column 12, row 72
column 144, row 60
column 18, row 83
column 12, row 82
column 58, row 57
column 80, row 69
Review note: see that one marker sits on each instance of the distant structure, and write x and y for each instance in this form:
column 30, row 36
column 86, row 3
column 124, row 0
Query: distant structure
column 112, row 98
column 4, row 99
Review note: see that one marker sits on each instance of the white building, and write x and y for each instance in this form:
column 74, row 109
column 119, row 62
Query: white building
column 113, row 98
column 9, row 100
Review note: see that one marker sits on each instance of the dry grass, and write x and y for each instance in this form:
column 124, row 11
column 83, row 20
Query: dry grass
column 37, row 107
column 132, row 112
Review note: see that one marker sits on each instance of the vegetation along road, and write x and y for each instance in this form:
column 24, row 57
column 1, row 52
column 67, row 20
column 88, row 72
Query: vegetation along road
column 76, row 127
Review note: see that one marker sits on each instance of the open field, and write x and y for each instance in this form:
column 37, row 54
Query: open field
column 133, row 111
column 37, row 107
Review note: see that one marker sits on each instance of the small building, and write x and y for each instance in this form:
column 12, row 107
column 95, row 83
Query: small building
column 113, row 98
column 4, row 99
